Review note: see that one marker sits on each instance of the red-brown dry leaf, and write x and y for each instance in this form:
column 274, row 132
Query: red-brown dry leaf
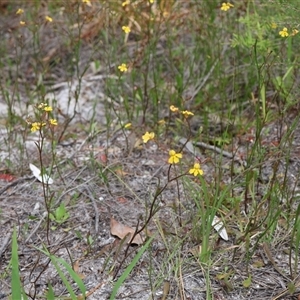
column 7, row 177
column 76, row 269
column 122, row 200
column 121, row 231
column 102, row 158
column 120, row 172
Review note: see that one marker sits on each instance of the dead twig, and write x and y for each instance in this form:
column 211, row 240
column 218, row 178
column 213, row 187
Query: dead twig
column 95, row 208
column 5, row 242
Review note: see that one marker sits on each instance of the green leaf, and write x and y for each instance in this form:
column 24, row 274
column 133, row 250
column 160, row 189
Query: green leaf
column 74, row 275
column 129, row 269
column 54, row 261
column 60, row 212
column 50, row 293
column 15, row 276
column 291, row 288
column 247, row 282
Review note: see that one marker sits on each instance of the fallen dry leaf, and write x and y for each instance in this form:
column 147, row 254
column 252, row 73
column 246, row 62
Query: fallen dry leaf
column 120, row 172
column 7, row 177
column 102, row 158
column 76, row 269
column 122, row 200
column 121, row 231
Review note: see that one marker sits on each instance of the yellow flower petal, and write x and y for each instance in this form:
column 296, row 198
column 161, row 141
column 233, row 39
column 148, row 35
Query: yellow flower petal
column 49, row 19
column 187, row 113
column 47, row 108
column 148, row 136
column 174, row 108
column 196, row 170
column 174, row 157
column 226, row 6
column 53, row 122
column 284, row 32
column 20, row 11
column 123, row 68
column 126, row 29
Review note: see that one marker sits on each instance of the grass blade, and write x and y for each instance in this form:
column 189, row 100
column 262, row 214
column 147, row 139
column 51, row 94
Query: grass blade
column 74, row 275
column 15, row 275
column 129, row 269
column 63, row 277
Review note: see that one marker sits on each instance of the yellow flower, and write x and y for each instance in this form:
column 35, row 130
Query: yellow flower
column 226, row 6
column 42, row 105
column 87, row 2
column 20, row 11
column 187, row 113
column 148, row 136
column 126, row 29
column 294, row 32
column 151, row 1
column 123, row 68
column 174, row 157
column 161, row 122
column 284, row 32
column 35, row 126
column 196, row 170
column 49, row 19
column 174, row 108
column 47, row 108
column 22, row 23
column 128, row 125
column 53, row 122
column 273, row 25
column 127, row 2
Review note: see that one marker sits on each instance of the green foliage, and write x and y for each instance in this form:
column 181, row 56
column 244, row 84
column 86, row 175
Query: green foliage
column 60, row 215
column 58, row 262
column 16, row 286
column 129, row 268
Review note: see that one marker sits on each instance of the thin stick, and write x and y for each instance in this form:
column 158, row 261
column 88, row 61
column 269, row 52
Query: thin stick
column 5, row 242
column 95, row 208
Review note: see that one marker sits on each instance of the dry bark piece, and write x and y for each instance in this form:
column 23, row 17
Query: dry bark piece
column 122, row 231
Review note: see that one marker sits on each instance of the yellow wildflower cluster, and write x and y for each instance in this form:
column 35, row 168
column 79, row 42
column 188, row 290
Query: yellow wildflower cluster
column 20, row 12
column 185, row 113
column 44, row 106
column 35, row 126
column 285, row 33
column 45, row 109
column 175, row 157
